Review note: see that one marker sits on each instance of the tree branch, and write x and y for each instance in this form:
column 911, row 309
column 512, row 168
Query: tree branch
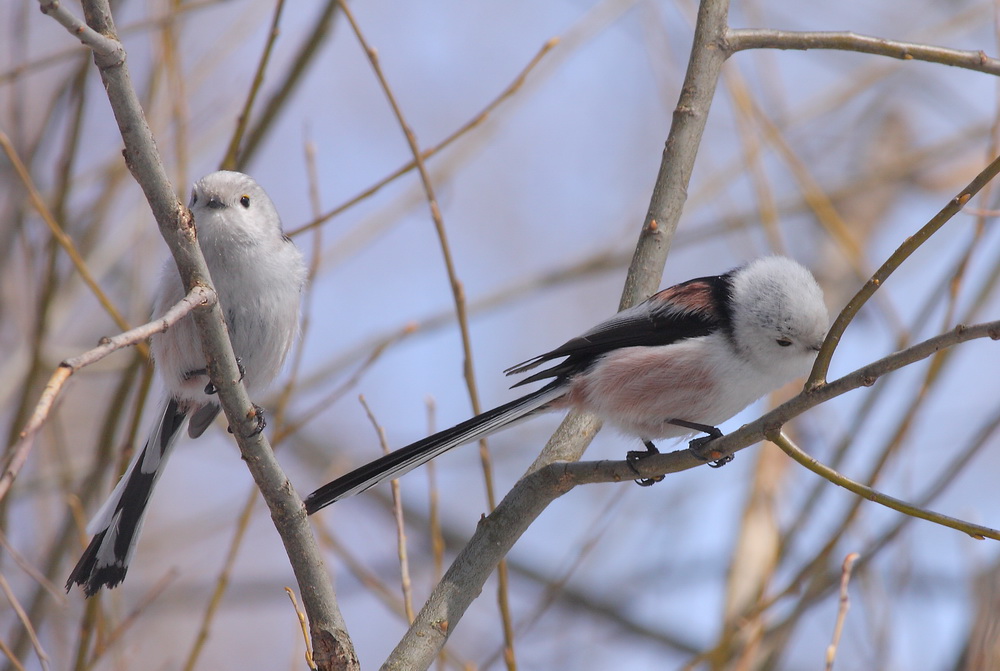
column 497, row 533
column 110, row 48
column 829, row 474
column 17, row 455
column 753, row 38
column 903, row 252
column 332, row 647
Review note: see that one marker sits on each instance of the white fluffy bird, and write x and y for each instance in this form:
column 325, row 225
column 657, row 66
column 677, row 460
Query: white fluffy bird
column 258, row 274
column 683, row 361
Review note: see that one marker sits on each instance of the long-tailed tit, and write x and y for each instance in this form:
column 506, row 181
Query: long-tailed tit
column 258, row 275
column 687, row 359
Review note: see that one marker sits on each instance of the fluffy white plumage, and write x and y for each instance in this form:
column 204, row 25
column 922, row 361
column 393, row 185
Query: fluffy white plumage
column 258, row 275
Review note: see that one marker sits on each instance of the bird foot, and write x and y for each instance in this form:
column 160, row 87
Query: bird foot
column 701, row 449
column 635, row 456
column 258, row 414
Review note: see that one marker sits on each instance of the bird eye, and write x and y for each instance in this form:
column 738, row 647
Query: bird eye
column 783, row 342
column 245, row 200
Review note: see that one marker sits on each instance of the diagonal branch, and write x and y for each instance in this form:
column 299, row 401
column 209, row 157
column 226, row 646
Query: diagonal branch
column 331, row 644
column 17, row 455
column 903, row 252
column 498, row 532
column 830, row 475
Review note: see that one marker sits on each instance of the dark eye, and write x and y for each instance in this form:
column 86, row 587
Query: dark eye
column 245, row 200
column 194, row 198
column 783, row 342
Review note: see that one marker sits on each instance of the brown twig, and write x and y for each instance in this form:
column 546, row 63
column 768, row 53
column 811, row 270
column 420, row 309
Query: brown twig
column 151, row 595
column 473, row 123
column 303, row 625
column 755, row 38
column 22, row 616
column 845, row 579
column 792, row 450
column 60, row 236
column 229, row 161
column 397, row 516
column 331, row 644
column 17, row 455
column 461, row 312
column 910, row 245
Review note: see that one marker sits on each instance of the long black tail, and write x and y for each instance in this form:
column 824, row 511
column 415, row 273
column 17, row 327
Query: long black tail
column 117, row 524
column 405, row 459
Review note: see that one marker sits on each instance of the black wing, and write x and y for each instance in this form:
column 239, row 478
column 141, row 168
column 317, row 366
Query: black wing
column 687, row 310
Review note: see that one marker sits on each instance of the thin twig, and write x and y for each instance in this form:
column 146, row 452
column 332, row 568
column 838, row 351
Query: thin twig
column 229, row 161
column 754, row 38
column 473, row 123
column 22, row 616
column 302, row 625
column 461, row 312
column 221, row 582
column 58, row 595
column 845, row 579
column 60, row 236
column 11, row 657
column 792, row 450
column 309, row 49
column 397, row 515
column 140, row 607
column 910, row 245
column 17, row 455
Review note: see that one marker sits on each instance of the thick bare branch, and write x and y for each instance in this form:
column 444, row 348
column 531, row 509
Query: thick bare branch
column 332, row 647
column 498, row 532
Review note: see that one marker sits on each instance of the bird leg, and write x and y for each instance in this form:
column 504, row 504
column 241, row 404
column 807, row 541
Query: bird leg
column 635, row 456
column 258, row 414
column 698, row 445
column 210, row 388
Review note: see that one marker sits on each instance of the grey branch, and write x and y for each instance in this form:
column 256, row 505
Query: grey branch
column 199, row 296
column 742, row 39
column 332, row 647
column 498, row 532
column 757, row 430
column 98, row 43
column 18, row 454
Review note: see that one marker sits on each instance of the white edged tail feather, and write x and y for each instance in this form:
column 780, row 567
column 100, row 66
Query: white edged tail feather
column 117, row 524
column 402, row 461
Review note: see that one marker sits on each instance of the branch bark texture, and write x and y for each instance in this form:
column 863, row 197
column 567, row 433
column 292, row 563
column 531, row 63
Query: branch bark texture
column 332, row 648
column 499, row 531
column 743, row 39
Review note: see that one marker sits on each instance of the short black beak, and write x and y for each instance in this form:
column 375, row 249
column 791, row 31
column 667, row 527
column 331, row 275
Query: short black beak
column 215, row 204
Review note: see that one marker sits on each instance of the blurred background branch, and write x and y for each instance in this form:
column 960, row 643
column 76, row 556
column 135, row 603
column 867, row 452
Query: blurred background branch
column 543, row 168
